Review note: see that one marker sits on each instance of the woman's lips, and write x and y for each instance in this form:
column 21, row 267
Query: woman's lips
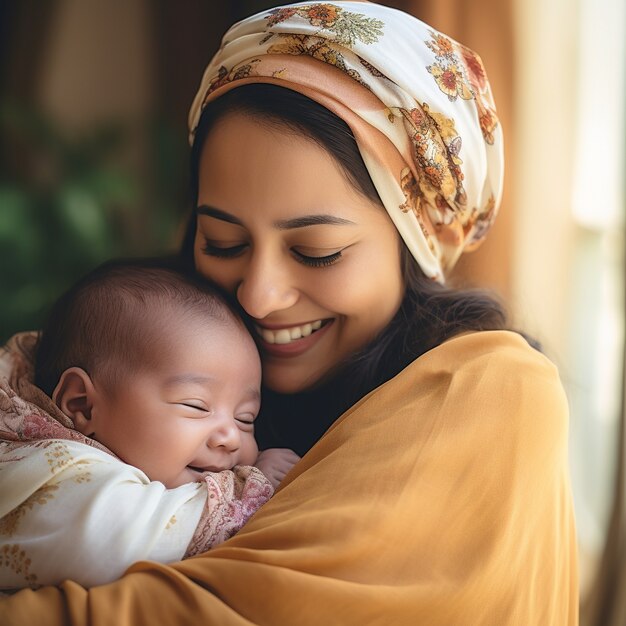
column 293, row 340
column 287, row 334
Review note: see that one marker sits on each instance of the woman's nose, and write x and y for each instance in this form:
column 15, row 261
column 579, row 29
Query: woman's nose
column 267, row 286
column 225, row 436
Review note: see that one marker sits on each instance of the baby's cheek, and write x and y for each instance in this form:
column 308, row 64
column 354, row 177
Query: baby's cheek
column 188, row 475
column 249, row 450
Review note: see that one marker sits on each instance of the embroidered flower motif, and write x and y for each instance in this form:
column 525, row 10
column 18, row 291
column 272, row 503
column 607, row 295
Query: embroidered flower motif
column 459, row 72
column 324, row 15
column 488, row 123
column 451, row 139
column 481, row 221
column 280, row 15
column 225, row 76
column 436, row 146
column 233, row 497
column 60, row 458
column 441, row 46
column 12, row 556
column 475, row 69
column 419, row 119
column 413, row 202
column 38, row 427
column 434, row 175
column 451, row 81
column 370, row 68
column 219, row 80
column 300, row 45
column 316, row 47
column 347, row 27
column 10, row 522
column 410, row 189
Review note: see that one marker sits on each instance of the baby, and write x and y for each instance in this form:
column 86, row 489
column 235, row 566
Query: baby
column 147, row 449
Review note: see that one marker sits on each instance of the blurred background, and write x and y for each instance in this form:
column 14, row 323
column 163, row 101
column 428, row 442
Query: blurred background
column 94, row 96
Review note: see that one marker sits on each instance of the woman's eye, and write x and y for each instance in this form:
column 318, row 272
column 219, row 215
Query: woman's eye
column 317, row 261
column 223, row 252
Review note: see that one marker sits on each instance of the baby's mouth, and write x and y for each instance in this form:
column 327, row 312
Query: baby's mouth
column 204, row 470
column 282, row 336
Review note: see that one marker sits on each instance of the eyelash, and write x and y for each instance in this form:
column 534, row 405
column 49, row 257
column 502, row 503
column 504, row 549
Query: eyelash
column 317, row 261
column 309, row 261
column 222, row 253
column 195, row 406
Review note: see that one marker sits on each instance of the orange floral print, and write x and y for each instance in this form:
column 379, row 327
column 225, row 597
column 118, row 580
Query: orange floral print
column 225, row 76
column 436, row 146
column 488, row 123
column 316, row 47
column 441, row 45
column 475, row 69
column 434, row 175
column 402, row 68
column 324, row 15
column 459, row 73
column 410, row 189
column 280, row 15
column 347, row 27
column 451, row 81
column 481, row 220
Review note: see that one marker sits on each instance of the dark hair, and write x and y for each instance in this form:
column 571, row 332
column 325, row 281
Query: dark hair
column 276, row 106
column 110, row 320
column 430, row 312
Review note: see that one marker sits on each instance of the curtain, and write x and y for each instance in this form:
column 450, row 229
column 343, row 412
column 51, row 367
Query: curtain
column 606, row 604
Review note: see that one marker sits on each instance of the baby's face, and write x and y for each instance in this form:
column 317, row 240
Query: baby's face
column 193, row 412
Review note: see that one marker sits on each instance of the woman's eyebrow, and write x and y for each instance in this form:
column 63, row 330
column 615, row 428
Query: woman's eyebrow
column 296, row 222
column 311, row 220
column 204, row 209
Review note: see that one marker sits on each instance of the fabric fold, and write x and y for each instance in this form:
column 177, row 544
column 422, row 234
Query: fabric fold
column 419, row 104
column 470, row 523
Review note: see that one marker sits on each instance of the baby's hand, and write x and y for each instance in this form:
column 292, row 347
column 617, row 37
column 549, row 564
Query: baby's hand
column 275, row 463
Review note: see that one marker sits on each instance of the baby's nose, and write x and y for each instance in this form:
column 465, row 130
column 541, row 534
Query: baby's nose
column 225, row 436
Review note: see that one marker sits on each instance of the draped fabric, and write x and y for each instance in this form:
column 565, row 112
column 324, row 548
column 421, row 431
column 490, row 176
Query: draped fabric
column 489, row 27
column 419, row 105
column 440, row 498
column 71, row 509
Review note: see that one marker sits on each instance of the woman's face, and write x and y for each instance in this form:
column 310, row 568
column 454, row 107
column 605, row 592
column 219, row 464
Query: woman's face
column 310, row 259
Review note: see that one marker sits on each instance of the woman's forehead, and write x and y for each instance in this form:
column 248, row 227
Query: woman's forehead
column 246, row 163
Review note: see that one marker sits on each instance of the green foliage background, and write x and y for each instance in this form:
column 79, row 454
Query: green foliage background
column 69, row 201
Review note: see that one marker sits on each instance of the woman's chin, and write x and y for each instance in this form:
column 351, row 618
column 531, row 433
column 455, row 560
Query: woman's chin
column 288, row 380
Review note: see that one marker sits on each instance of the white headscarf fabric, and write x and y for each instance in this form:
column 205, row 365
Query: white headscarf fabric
column 419, row 105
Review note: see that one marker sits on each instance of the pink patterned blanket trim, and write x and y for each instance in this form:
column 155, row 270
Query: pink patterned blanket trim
column 233, row 497
column 27, row 414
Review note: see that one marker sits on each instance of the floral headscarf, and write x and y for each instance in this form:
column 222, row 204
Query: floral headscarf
column 418, row 103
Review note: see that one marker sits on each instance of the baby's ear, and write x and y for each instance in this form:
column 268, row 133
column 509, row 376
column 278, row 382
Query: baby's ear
column 74, row 395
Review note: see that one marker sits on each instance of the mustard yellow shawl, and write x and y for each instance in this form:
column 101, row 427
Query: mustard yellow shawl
column 441, row 498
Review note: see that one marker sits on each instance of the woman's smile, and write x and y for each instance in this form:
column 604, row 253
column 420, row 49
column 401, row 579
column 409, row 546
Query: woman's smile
column 292, row 341
column 313, row 262
column 287, row 333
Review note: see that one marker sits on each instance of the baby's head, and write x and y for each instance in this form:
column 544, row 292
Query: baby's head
column 156, row 366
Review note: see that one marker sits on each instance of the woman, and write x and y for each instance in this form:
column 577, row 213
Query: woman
column 434, row 488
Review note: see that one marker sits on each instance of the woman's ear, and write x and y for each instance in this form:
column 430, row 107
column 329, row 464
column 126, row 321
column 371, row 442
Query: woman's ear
column 74, row 395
